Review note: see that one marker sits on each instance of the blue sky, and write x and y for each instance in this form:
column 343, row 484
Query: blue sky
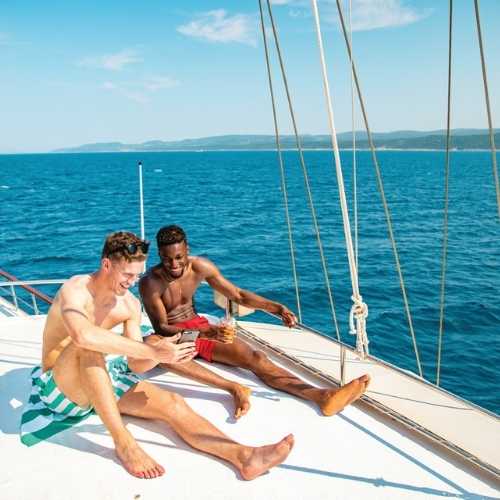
column 87, row 71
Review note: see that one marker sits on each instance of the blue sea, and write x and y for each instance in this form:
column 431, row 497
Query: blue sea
column 57, row 209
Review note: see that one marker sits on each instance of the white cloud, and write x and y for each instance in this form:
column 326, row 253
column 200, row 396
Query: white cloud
column 6, row 40
column 298, row 13
column 108, row 86
column 216, row 26
column 125, row 90
column 155, row 83
column 112, row 62
column 366, row 14
column 374, row 14
column 140, row 91
column 139, row 97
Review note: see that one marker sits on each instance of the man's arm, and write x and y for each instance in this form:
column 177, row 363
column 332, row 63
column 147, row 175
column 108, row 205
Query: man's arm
column 216, row 280
column 132, row 330
column 94, row 338
column 153, row 303
column 155, row 308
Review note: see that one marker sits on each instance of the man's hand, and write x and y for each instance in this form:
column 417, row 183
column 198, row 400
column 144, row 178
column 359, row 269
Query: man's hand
column 287, row 316
column 220, row 333
column 168, row 351
column 226, row 332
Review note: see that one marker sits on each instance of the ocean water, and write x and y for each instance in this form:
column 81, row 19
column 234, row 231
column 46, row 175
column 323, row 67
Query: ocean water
column 55, row 211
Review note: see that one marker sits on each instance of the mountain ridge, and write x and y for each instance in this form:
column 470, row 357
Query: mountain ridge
column 402, row 139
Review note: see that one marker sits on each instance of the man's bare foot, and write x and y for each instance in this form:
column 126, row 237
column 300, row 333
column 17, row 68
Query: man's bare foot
column 366, row 379
column 241, row 395
column 137, row 462
column 335, row 400
column 261, row 459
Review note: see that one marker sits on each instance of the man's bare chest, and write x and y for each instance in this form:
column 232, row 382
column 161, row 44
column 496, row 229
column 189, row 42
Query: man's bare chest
column 179, row 292
column 107, row 315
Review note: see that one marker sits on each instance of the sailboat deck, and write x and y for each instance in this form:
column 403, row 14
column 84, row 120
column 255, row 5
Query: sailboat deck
column 356, row 454
column 444, row 416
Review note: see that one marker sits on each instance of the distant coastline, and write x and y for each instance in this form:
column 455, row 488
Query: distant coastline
column 461, row 140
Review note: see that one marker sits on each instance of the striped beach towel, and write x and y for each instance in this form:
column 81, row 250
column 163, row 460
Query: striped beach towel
column 49, row 411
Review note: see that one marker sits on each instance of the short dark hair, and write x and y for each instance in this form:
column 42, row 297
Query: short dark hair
column 170, row 235
column 115, row 247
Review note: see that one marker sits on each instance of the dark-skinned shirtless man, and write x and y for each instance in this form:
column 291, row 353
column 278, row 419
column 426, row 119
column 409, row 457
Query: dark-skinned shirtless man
column 167, row 291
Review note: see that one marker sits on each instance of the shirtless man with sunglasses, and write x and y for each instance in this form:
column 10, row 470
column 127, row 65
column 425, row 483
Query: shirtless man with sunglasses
column 74, row 376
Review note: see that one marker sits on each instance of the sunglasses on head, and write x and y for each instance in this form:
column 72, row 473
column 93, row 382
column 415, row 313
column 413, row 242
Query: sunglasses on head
column 132, row 248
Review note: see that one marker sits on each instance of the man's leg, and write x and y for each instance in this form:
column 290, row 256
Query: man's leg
column 195, row 371
column 82, row 377
column 148, row 401
column 330, row 401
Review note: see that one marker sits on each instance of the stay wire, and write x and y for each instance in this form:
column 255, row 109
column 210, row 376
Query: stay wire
column 382, row 193
column 446, row 197
column 488, row 108
column 305, row 174
column 282, row 168
column 354, row 165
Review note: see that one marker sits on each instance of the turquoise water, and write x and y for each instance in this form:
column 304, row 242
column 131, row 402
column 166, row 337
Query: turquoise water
column 56, row 210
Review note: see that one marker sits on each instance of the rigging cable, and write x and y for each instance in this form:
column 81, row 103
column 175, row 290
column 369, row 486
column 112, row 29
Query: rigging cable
column 488, row 109
column 382, row 193
column 305, row 174
column 282, row 169
column 141, row 200
column 359, row 310
column 354, row 165
column 446, row 190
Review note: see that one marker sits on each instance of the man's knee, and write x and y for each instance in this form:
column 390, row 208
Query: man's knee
column 88, row 357
column 256, row 360
column 172, row 403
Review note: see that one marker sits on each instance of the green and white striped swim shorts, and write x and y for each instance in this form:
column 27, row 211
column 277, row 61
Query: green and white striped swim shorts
column 49, row 411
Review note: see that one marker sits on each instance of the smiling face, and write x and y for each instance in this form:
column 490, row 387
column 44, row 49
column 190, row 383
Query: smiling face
column 121, row 275
column 174, row 258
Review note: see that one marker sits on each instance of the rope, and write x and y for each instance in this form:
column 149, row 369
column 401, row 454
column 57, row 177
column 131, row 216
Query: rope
column 282, row 169
column 488, row 109
column 306, row 177
column 356, row 297
column 357, row 323
column 446, row 189
column 382, row 194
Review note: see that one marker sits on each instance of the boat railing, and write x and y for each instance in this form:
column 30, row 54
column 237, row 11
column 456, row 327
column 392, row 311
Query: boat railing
column 23, row 296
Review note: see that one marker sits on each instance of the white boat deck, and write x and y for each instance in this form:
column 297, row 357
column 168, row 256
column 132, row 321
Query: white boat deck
column 427, row 406
column 356, row 454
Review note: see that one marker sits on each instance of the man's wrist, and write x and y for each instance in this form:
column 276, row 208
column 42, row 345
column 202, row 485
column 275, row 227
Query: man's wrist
column 276, row 308
column 209, row 332
column 152, row 349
